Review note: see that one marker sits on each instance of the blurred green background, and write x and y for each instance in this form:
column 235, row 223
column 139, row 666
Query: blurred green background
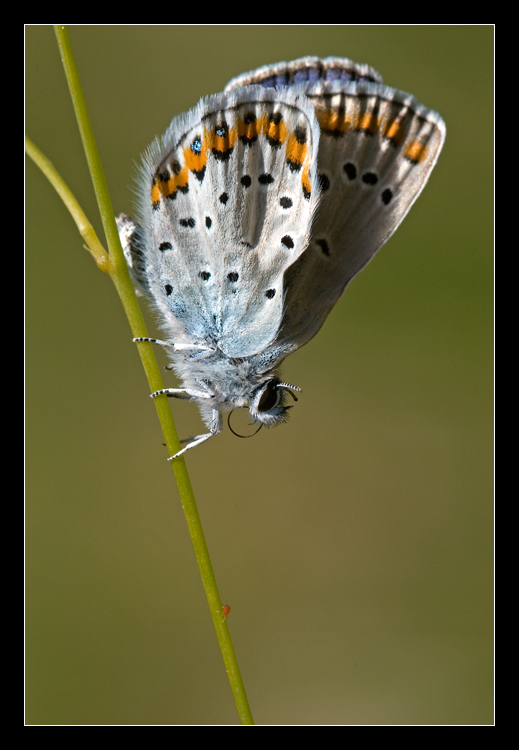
column 354, row 544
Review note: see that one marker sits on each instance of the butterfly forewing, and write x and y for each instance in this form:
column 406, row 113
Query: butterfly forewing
column 377, row 148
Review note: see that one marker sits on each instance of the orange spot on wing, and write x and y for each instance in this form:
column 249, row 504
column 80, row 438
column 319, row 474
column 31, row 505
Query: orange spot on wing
column 155, row 194
column 221, row 143
column 248, row 130
column 296, row 151
column 367, row 122
column 416, row 152
column 196, row 161
column 395, row 132
column 333, row 121
column 277, row 132
column 305, row 180
column 169, row 187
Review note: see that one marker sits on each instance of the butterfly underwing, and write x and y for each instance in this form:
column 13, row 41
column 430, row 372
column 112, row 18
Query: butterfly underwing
column 256, row 209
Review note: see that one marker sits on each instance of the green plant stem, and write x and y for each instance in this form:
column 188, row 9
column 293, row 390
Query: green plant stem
column 118, row 271
column 86, row 229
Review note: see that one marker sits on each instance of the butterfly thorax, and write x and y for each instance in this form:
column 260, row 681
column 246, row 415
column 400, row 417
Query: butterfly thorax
column 218, row 382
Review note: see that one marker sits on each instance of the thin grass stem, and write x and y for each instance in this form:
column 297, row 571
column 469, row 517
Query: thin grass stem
column 115, row 265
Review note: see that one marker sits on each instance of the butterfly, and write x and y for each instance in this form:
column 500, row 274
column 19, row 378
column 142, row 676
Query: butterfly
column 257, row 208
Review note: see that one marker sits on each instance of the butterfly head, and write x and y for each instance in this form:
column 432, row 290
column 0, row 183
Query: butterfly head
column 268, row 404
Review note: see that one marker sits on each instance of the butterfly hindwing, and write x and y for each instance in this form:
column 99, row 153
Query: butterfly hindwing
column 228, row 210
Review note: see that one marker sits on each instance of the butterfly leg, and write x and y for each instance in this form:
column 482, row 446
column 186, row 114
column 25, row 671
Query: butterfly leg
column 182, row 393
column 172, row 345
column 216, row 427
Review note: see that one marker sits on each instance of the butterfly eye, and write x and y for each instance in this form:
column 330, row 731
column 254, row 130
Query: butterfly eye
column 270, row 397
column 268, row 404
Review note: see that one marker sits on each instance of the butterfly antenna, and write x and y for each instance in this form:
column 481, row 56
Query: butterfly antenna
column 288, row 387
